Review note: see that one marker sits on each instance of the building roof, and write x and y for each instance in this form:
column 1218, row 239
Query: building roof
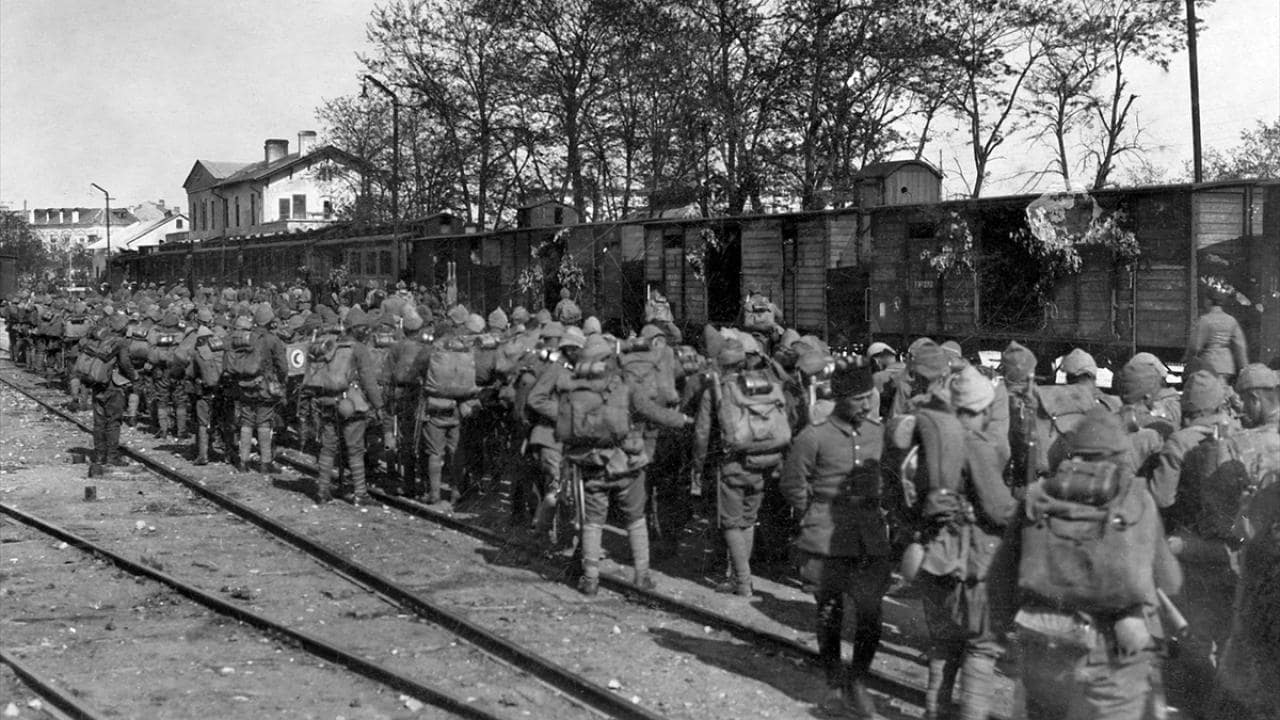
column 89, row 217
column 133, row 237
column 881, row 170
column 222, row 174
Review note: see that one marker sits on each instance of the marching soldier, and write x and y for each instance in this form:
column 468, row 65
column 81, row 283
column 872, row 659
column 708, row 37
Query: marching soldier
column 1217, row 340
column 107, row 386
column 255, row 358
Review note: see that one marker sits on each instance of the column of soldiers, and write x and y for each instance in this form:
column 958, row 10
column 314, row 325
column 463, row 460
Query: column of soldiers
column 1090, row 532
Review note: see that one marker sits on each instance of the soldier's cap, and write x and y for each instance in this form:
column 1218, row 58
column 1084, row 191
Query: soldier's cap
column 919, row 342
column 551, row 330
column 1257, row 377
column 813, row 362
column 596, row 347
column 1099, row 433
column 1079, row 362
column 170, row 320
column 651, row 331
column 458, row 315
column 153, row 312
column 1017, row 362
column 118, row 322
column 474, row 324
column 731, row 353
column 572, row 337
column 108, row 310
column 543, row 317
column 852, row 376
column 929, row 361
column 356, row 318
column 243, row 322
column 879, row 348
column 971, row 390
column 952, row 348
column 498, row 320
column 79, row 308
column 1147, row 358
column 426, row 313
column 203, row 331
column 591, row 326
column 376, row 317
column 204, row 315
column 1203, row 392
column 263, row 316
column 520, row 315
column 393, row 305
column 789, row 337
column 1137, row 379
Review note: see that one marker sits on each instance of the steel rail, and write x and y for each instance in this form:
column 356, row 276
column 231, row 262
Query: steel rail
column 46, row 689
column 558, row 677
column 880, row 681
column 312, row 644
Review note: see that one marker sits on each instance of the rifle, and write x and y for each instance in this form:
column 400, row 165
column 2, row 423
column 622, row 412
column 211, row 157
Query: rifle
column 1028, row 418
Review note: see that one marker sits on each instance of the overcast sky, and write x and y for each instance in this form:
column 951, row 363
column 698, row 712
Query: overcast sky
column 128, row 93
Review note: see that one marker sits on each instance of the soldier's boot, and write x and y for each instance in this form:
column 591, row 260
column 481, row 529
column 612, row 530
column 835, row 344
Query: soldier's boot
column 544, row 519
column 937, row 695
column 112, row 450
column 163, row 419
column 202, row 445
column 592, row 548
column 739, row 582
column 74, row 389
column 435, row 473
column 638, row 537
column 830, row 625
column 977, row 676
column 359, row 487
column 245, row 444
column 131, row 410
column 180, row 421
column 266, row 454
column 324, row 478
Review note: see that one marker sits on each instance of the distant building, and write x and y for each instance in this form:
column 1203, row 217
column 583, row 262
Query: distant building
column 145, row 234
column 545, row 213
column 282, row 192
column 898, row 182
column 77, row 227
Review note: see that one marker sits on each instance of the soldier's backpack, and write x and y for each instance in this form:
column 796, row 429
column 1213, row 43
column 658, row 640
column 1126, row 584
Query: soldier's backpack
column 164, row 345
column 96, row 362
column 451, row 371
column 1038, row 427
column 595, row 408
column 1089, row 540
column 485, row 349
column 758, row 314
column 406, row 364
column 643, row 369
column 74, row 328
column 209, row 353
column 243, row 357
column 753, row 414
column 330, row 366
column 139, row 348
column 1220, row 477
column 512, row 355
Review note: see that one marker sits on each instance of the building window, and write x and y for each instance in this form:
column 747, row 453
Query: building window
column 328, row 209
column 204, row 215
column 226, row 213
column 384, row 261
column 300, row 207
column 253, row 209
column 237, row 211
column 179, row 223
column 284, row 208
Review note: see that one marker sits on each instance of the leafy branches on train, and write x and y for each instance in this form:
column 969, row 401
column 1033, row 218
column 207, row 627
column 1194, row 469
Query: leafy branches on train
column 954, row 253
column 696, row 256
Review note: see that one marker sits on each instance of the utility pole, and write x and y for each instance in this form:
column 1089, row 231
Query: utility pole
column 1196, row 155
column 395, row 172
column 106, row 267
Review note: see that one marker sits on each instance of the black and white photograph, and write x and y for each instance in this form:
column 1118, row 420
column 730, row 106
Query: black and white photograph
column 640, row 359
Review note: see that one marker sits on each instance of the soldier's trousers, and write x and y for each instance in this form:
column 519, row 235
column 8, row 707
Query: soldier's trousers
column 863, row 581
column 172, row 407
column 964, row 651
column 254, row 414
column 1064, row 683
column 439, row 445
column 339, row 435
column 108, row 408
column 626, row 491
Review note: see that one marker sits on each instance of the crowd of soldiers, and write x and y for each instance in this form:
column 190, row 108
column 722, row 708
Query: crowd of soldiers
column 1093, row 532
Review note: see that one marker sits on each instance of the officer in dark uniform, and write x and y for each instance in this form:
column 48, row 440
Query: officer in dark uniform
column 109, row 398
column 832, row 477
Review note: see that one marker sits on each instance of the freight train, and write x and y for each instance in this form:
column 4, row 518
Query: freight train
column 973, row 270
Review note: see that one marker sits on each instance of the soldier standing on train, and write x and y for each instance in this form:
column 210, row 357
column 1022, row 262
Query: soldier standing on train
column 832, row 477
column 1217, row 341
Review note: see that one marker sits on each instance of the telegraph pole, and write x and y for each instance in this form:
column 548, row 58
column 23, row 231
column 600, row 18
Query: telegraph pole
column 1196, row 155
column 395, row 173
column 107, row 197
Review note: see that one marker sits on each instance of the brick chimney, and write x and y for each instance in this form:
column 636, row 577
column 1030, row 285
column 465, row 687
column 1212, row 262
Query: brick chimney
column 275, row 149
column 306, row 141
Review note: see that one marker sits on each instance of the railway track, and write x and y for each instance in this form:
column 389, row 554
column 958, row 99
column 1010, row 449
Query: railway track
column 902, row 697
